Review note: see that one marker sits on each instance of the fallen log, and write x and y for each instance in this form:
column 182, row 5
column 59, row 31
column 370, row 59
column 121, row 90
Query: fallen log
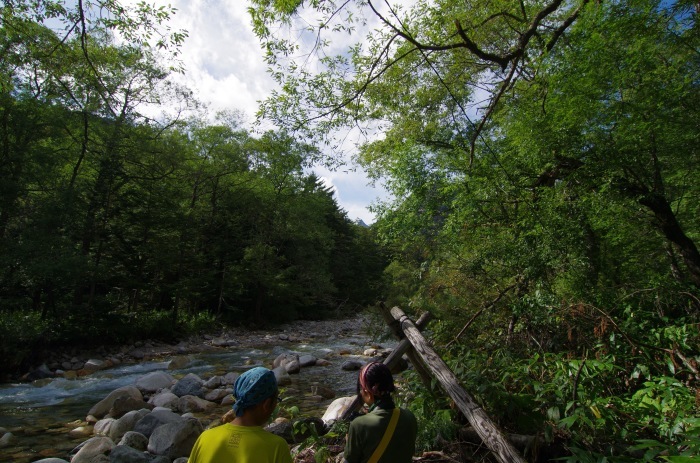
column 489, row 433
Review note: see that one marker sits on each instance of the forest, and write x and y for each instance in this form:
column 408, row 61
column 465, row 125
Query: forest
column 543, row 163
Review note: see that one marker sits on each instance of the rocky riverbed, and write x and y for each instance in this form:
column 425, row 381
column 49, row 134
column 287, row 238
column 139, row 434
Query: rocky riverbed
column 157, row 417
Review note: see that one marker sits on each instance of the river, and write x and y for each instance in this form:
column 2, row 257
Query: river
column 40, row 414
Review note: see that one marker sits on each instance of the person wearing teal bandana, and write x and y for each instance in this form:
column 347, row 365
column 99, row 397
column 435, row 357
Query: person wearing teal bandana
column 386, row 434
column 243, row 440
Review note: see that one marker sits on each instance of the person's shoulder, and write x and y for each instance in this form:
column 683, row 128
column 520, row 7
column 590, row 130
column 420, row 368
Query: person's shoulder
column 216, row 430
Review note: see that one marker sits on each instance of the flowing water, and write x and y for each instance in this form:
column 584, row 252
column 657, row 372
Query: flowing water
column 40, row 414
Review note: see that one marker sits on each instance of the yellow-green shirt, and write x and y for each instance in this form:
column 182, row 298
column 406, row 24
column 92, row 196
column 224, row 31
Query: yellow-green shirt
column 239, row 444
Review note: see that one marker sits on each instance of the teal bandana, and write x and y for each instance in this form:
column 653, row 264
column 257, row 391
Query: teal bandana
column 252, row 387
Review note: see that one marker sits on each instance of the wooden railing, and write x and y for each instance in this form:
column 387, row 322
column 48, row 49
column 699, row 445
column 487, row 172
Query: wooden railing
column 429, row 364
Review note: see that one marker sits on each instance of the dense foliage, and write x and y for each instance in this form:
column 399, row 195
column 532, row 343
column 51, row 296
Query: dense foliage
column 119, row 222
column 544, row 163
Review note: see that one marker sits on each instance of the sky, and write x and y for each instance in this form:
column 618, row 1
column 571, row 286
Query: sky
column 224, row 66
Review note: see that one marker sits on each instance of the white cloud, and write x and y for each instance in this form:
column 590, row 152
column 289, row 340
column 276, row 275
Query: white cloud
column 225, row 68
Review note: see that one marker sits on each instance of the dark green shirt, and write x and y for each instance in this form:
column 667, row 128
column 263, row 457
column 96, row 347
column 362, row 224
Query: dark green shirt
column 366, row 432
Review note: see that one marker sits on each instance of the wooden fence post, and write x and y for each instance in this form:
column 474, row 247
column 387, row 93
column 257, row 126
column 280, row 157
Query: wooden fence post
column 416, row 361
column 489, row 433
column 403, row 346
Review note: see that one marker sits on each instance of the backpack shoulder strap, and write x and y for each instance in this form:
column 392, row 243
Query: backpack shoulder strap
column 387, row 436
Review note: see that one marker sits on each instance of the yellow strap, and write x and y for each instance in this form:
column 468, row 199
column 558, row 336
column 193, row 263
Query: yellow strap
column 387, row 436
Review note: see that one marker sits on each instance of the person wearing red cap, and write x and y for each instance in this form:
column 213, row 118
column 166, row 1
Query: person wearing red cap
column 386, row 434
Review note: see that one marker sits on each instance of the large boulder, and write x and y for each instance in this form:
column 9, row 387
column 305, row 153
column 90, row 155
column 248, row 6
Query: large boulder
column 336, row 409
column 104, row 426
column 176, row 439
column 189, row 385
column 154, row 381
column 126, row 423
column 153, row 420
column 127, row 404
column 95, row 450
column 165, row 399
column 101, row 408
column 190, row 403
column 135, row 440
column 126, row 454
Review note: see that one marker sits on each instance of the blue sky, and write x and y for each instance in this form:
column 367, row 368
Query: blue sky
column 225, row 69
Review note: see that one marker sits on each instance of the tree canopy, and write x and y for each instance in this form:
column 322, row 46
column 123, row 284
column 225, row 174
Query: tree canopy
column 122, row 214
column 543, row 160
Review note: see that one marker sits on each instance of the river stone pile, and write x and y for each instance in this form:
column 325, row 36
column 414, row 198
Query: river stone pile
column 153, row 421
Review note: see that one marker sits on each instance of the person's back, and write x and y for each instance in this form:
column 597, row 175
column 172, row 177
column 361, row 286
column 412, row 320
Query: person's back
column 367, row 432
column 229, row 443
column 244, row 440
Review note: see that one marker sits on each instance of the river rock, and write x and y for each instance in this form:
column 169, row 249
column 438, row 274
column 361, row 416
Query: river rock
column 127, row 404
column 126, row 423
column 336, row 409
column 126, row 454
column 180, row 460
column 292, row 367
column 40, row 373
column 307, row 360
column 104, row 426
column 154, row 381
column 230, row 378
column 101, row 408
column 322, row 362
column 189, row 385
column 82, row 431
column 51, row 460
column 213, row 382
column 164, row 399
column 175, row 439
column 135, row 440
column 95, row 365
column 351, row 365
column 179, row 362
column 94, row 450
column 217, row 394
column 324, row 391
column 223, row 342
column 282, row 376
column 282, row 428
column 190, row 403
column 6, row 440
column 228, row 400
column 283, row 359
column 153, row 420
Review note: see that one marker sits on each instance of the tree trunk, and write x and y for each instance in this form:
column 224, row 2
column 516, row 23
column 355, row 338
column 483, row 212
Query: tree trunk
column 673, row 231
